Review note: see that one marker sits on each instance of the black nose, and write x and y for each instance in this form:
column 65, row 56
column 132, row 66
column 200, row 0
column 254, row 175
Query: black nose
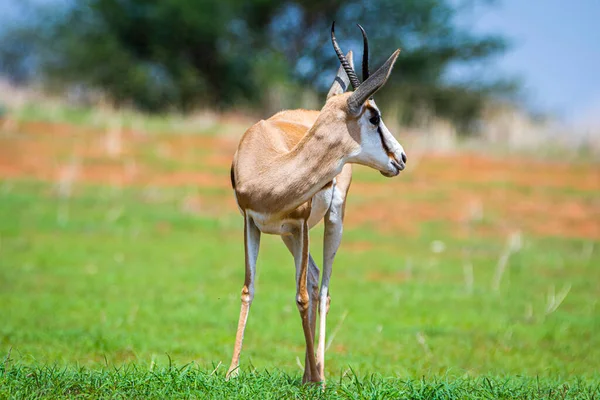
column 403, row 158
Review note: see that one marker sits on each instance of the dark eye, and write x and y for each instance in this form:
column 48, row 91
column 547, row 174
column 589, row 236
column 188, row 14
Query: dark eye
column 375, row 120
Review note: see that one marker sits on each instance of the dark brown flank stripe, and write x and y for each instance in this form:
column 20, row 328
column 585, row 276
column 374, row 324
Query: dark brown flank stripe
column 232, row 176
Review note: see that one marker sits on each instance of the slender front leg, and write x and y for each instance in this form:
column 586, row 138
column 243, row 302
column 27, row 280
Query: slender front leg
column 300, row 250
column 331, row 243
column 251, row 245
column 313, row 294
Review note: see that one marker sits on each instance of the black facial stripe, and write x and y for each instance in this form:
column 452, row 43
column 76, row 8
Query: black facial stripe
column 387, row 150
column 376, row 113
column 341, row 82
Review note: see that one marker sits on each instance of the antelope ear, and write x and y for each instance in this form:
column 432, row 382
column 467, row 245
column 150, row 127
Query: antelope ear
column 371, row 85
column 341, row 81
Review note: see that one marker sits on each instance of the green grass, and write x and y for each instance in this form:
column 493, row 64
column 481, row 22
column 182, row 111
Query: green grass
column 100, row 291
column 189, row 381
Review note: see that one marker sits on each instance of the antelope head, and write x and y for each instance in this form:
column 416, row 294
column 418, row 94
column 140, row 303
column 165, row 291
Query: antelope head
column 372, row 143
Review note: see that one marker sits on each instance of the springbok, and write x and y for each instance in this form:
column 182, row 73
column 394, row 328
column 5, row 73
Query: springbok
column 293, row 170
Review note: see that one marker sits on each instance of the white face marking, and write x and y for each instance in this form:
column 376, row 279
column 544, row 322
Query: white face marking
column 375, row 143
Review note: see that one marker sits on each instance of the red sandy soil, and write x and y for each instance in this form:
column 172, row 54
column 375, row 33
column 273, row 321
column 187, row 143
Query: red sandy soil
column 470, row 194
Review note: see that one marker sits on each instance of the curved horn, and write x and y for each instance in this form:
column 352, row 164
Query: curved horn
column 365, row 61
column 371, row 85
column 349, row 70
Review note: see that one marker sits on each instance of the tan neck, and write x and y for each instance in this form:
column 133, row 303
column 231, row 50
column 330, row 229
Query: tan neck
column 294, row 177
column 313, row 163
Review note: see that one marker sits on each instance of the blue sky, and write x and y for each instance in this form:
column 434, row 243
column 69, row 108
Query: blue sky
column 556, row 51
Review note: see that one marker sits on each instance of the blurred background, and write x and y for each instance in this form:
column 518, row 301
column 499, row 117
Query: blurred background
column 491, row 69
column 120, row 240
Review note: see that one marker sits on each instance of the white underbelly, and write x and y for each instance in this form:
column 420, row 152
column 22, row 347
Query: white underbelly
column 271, row 224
